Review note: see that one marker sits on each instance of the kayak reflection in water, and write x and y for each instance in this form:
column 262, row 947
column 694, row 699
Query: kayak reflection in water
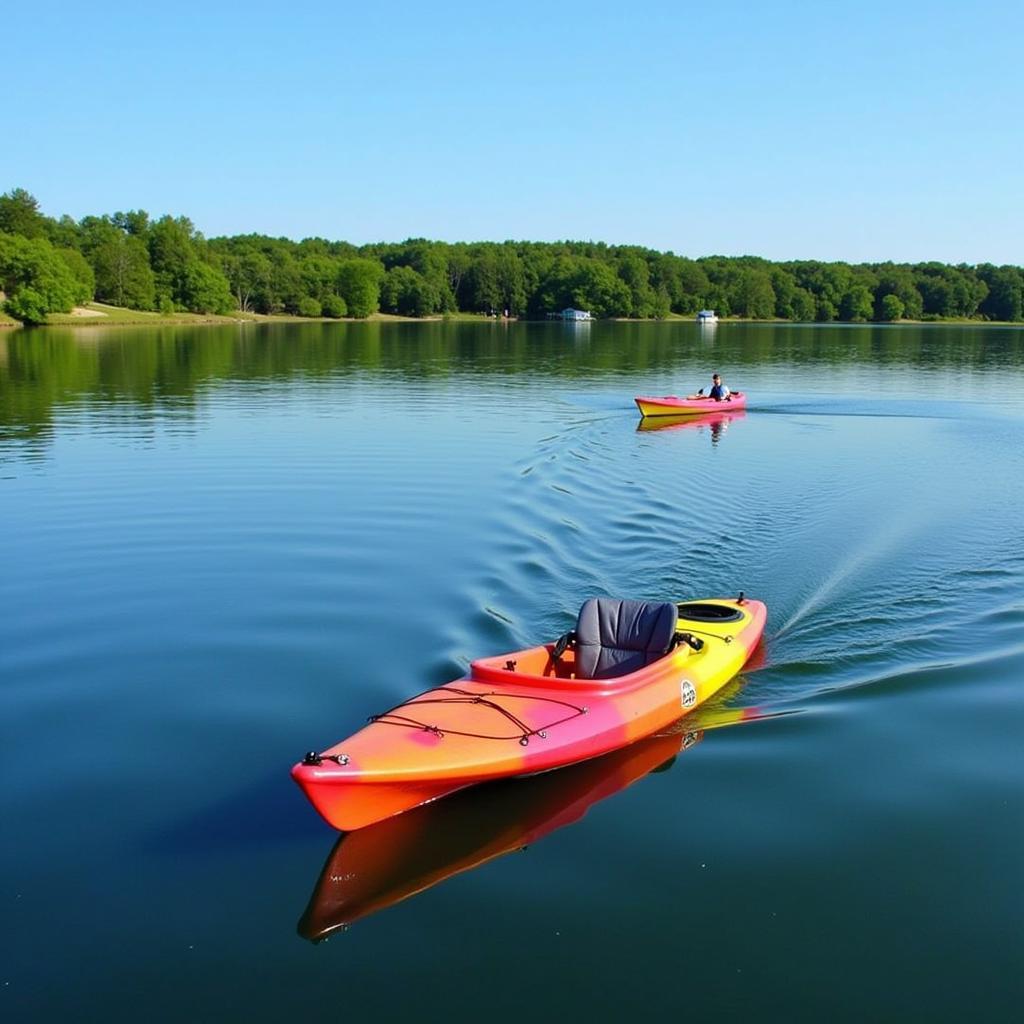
column 378, row 866
column 716, row 422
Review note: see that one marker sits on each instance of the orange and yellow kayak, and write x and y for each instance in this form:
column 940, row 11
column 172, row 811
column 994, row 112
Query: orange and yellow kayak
column 521, row 713
column 671, row 405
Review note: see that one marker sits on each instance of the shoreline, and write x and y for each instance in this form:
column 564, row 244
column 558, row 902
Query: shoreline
column 100, row 315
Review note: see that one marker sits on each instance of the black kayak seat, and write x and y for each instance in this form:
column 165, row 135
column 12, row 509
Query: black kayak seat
column 615, row 637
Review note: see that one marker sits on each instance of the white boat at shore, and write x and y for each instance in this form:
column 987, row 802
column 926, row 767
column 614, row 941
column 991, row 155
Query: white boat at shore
column 707, row 316
column 572, row 315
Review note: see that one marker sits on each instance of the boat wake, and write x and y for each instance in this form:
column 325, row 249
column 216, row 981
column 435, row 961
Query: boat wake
column 861, row 554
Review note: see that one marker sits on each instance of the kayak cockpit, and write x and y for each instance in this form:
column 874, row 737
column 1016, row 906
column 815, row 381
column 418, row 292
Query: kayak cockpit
column 613, row 640
column 535, row 664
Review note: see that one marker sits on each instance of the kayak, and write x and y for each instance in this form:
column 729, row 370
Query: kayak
column 717, row 421
column 670, row 405
column 629, row 669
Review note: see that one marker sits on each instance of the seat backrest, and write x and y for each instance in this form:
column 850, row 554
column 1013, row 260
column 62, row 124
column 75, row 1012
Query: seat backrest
column 615, row 637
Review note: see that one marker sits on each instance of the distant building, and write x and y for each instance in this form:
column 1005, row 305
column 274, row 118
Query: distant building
column 707, row 316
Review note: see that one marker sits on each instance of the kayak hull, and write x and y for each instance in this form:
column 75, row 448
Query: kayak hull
column 352, row 805
column 671, row 405
column 518, row 714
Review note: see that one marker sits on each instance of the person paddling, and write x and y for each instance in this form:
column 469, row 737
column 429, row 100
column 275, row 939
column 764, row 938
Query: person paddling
column 719, row 391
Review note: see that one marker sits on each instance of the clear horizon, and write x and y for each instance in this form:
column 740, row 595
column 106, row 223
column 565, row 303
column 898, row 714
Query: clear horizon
column 793, row 131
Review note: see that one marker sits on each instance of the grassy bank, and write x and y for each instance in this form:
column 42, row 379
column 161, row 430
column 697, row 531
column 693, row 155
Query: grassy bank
column 99, row 314
column 95, row 313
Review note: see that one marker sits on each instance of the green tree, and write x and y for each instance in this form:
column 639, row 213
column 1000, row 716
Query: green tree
column 248, row 272
column 636, row 275
column 695, row 288
column 936, row 294
column 825, row 311
column 753, row 295
column 19, row 214
column 784, row 287
column 205, row 289
column 1005, row 298
column 459, row 261
column 596, row 286
column 81, row 272
column 34, row 278
column 285, row 288
column 482, row 283
column 28, row 305
column 892, row 307
column 858, row 304
column 968, row 291
column 359, row 285
column 407, row 292
column 803, row 306
column 120, row 263
column 134, row 222
column 177, row 255
column 512, row 288
column 899, row 281
column 319, row 274
column 64, row 233
column 171, row 253
column 333, row 306
column 430, row 261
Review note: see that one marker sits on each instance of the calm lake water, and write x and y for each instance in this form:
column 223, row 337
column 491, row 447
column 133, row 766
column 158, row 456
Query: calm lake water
column 224, row 546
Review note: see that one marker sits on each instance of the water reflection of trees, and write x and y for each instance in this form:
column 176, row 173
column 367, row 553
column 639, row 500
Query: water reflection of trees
column 44, row 369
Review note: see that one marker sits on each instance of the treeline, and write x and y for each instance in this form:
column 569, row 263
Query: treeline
column 127, row 259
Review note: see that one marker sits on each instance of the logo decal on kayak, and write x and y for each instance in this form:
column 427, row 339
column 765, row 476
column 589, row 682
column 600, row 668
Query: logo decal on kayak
column 687, row 693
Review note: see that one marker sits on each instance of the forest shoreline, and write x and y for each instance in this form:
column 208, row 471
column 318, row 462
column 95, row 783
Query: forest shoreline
column 130, row 261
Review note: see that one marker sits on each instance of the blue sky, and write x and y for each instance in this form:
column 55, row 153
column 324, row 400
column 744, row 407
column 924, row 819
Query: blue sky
column 786, row 129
